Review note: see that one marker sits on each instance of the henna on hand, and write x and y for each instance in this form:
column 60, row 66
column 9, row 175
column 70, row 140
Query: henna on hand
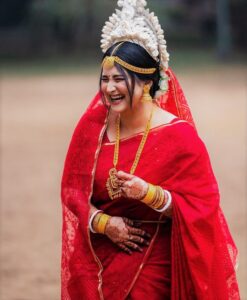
column 132, row 186
column 122, row 232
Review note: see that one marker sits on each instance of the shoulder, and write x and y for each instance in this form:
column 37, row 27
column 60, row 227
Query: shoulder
column 187, row 139
column 181, row 134
column 162, row 117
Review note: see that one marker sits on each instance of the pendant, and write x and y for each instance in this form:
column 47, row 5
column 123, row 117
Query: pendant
column 112, row 185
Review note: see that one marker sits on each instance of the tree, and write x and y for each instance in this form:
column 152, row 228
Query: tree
column 224, row 40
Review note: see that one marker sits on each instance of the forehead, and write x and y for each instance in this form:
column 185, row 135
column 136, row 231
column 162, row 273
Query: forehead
column 111, row 72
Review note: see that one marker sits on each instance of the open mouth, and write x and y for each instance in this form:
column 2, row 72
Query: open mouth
column 116, row 98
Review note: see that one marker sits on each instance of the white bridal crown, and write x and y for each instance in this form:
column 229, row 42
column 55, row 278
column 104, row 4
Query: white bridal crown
column 135, row 23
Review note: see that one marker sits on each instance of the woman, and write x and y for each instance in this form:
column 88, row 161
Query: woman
column 140, row 201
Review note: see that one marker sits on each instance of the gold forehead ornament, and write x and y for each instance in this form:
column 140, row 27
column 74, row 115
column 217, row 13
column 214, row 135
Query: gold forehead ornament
column 109, row 61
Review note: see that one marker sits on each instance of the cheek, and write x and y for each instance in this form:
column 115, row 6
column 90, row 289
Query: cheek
column 103, row 87
column 138, row 93
column 122, row 88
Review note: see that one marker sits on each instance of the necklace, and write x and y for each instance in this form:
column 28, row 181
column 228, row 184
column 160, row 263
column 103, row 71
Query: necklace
column 112, row 185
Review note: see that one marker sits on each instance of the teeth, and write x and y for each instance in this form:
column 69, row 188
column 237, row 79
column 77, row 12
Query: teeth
column 117, row 98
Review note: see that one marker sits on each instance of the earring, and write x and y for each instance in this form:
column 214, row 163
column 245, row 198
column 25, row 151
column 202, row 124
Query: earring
column 146, row 96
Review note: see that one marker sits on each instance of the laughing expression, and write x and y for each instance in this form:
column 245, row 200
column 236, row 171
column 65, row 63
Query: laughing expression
column 115, row 90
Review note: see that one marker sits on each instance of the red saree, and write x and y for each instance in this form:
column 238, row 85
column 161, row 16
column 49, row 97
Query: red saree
column 202, row 253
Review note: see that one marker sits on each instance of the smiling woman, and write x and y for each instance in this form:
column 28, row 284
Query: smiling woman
column 114, row 87
column 140, row 201
column 132, row 54
column 119, row 90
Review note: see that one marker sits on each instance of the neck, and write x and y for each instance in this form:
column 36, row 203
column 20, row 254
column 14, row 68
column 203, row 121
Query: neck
column 136, row 118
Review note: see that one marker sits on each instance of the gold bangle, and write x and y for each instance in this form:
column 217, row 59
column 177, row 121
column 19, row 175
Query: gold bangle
column 164, row 201
column 96, row 220
column 161, row 198
column 150, row 194
column 102, row 223
column 158, row 198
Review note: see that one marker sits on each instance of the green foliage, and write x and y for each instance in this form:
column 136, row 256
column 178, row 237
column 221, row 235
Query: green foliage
column 53, row 27
column 59, row 10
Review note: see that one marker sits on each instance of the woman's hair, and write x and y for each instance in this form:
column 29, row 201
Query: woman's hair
column 137, row 56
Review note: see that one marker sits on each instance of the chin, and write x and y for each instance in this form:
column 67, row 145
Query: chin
column 119, row 108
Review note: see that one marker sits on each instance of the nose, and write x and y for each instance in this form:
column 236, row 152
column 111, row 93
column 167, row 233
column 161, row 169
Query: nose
column 110, row 87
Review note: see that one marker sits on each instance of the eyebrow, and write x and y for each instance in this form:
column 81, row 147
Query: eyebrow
column 114, row 76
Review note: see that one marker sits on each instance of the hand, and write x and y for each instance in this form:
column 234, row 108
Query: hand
column 124, row 233
column 132, row 186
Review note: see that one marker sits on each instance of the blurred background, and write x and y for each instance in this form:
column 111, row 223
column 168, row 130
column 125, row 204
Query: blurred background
column 49, row 71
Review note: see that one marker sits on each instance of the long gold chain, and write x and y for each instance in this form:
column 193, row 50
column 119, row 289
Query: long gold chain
column 112, row 185
column 140, row 148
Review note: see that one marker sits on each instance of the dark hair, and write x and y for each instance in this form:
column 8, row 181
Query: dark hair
column 137, row 56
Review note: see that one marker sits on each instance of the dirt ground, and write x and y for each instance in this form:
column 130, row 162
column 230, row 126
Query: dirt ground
column 38, row 114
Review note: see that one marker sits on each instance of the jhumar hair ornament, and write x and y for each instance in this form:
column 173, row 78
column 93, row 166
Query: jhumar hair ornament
column 108, row 62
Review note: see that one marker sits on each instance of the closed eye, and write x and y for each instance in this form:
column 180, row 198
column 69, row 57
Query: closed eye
column 119, row 79
column 116, row 78
column 104, row 79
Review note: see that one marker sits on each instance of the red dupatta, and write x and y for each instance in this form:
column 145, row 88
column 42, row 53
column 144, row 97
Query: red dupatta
column 203, row 252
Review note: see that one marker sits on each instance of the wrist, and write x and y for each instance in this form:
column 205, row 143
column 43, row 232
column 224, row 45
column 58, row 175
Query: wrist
column 157, row 198
column 145, row 190
column 149, row 195
column 167, row 203
column 92, row 219
column 99, row 222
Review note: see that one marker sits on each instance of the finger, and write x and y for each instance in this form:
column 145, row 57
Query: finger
column 124, row 176
column 124, row 248
column 128, row 222
column 137, row 224
column 124, row 189
column 140, row 232
column 120, row 182
column 127, row 184
column 138, row 239
column 133, row 246
column 148, row 235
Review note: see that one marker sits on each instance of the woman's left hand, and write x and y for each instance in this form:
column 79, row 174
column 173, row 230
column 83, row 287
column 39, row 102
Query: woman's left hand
column 132, row 186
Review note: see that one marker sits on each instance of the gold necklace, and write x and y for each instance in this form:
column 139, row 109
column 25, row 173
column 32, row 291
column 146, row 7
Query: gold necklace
column 112, row 185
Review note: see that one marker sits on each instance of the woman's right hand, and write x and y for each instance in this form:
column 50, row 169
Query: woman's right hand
column 126, row 234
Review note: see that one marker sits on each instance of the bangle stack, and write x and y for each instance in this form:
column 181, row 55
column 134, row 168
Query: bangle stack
column 98, row 222
column 168, row 202
column 157, row 198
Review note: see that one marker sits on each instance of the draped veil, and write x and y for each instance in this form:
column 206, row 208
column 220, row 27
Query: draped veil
column 194, row 226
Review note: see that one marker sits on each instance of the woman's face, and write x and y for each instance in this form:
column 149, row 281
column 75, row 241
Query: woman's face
column 115, row 90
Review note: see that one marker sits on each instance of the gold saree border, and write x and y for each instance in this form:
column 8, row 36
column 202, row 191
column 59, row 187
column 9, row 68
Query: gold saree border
column 89, row 202
column 175, row 95
column 145, row 257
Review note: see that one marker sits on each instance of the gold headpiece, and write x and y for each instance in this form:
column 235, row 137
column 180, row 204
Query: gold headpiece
column 108, row 63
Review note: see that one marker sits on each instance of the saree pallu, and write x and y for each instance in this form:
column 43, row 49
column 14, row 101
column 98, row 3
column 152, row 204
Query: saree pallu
column 203, row 254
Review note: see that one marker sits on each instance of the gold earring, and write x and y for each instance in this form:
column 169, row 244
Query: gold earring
column 146, row 97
